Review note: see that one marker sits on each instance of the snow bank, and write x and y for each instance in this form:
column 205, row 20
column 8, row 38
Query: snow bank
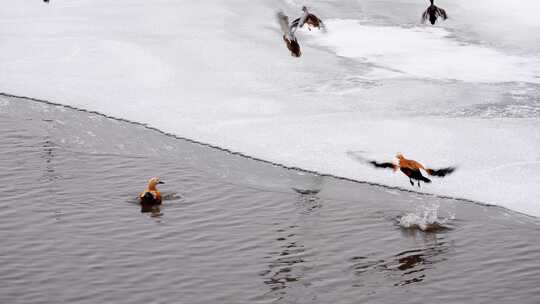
column 427, row 52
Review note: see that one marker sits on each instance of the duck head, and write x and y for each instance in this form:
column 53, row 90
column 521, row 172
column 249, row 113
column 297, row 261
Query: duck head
column 153, row 182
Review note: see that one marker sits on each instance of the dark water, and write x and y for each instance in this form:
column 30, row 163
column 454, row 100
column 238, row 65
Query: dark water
column 231, row 230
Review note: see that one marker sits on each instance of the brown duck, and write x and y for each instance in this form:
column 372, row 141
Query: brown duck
column 411, row 169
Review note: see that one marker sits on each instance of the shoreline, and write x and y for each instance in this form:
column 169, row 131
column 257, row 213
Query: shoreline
column 246, row 156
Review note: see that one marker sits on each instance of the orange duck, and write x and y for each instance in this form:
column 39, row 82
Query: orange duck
column 412, row 168
column 151, row 195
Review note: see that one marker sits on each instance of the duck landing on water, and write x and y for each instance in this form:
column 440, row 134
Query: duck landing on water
column 411, row 169
column 151, row 196
column 432, row 13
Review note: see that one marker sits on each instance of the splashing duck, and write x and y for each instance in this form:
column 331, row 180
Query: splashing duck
column 433, row 13
column 151, row 195
column 411, row 169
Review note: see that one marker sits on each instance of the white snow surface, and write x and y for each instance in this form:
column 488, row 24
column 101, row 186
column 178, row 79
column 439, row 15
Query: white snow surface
column 218, row 72
column 423, row 52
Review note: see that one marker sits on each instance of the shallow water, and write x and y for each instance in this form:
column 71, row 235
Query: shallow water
column 231, row 230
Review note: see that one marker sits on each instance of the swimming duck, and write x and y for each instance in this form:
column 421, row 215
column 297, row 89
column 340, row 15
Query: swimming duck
column 309, row 19
column 411, row 169
column 432, row 13
column 288, row 35
column 151, row 195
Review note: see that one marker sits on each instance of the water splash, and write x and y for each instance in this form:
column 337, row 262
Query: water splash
column 425, row 218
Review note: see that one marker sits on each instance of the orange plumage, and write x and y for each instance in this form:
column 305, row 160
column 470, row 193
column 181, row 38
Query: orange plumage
column 409, row 163
column 151, row 195
column 411, row 169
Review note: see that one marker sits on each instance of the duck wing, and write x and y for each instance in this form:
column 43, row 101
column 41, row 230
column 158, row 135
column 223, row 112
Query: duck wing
column 296, row 24
column 283, row 21
column 425, row 15
column 442, row 13
column 323, row 26
column 147, row 197
column 382, row 165
column 441, row 172
column 302, row 19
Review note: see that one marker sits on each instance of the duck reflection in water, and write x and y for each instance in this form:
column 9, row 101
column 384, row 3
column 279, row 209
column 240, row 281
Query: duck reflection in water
column 413, row 263
column 284, row 270
column 153, row 209
column 49, row 154
column 156, row 210
column 286, row 273
column 308, row 200
column 408, row 266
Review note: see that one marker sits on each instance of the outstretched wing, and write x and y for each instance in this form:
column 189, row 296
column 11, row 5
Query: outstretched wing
column 298, row 22
column 382, row 165
column 323, row 26
column 441, row 172
column 425, row 16
column 283, row 21
column 442, row 13
column 303, row 18
column 356, row 156
column 295, row 25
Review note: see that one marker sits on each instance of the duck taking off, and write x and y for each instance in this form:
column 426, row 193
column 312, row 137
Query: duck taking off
column 288, row 35
column 432, row 13
column 308, row 18
column 411, row 169
column 151, row 195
